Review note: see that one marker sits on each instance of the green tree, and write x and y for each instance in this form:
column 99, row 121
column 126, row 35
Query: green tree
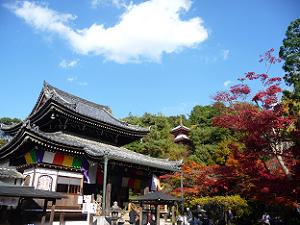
column 8, row 121
column 218, row 206
column 2, row 142
column 175, row 120
column 204, row 135
column 202, row 115
column 290, row 52
column 159, row 142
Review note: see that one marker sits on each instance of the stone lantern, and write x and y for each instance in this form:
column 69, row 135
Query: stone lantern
column 115, row 213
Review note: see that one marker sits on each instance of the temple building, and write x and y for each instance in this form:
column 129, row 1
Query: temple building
column 70, row 145
column 181, row 135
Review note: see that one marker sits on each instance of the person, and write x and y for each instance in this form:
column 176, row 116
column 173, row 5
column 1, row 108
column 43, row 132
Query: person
column 132, row 216
column 180, row 220
column 265, row 218
column 189, row 216
column 229, row 216
column 185, row 220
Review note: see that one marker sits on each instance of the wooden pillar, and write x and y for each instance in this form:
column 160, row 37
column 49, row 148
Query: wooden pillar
column 104, row 184
column 181, row 187
column 108, row 195
column 62, row 218
column 146, row 190
column 173, row 215
column 141, row 214
column 52, row 212
column 158, row 215
column 44, row 212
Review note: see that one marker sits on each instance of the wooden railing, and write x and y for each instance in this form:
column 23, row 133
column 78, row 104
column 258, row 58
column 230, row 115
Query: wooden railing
column 71, row 202
column 66, row 203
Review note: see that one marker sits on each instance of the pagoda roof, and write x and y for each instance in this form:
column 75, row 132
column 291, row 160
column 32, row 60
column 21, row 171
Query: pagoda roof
column 181, row 137
column 78, row 106
column 180, row 127
column 79, row 145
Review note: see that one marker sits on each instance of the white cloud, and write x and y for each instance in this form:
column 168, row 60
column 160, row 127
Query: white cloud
column 82, row 83
column 68, row 64
column 145, row 31
column 226, row 54
column 207, row 59
column 215, row 55
column 116, row 3
column 71, row 79
column 75, row 80
column 227, row 82
column 96, row 3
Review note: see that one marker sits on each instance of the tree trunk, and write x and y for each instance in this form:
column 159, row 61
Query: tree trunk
column 283, row 167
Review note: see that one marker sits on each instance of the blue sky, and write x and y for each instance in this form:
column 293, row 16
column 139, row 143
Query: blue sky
column 157, row 56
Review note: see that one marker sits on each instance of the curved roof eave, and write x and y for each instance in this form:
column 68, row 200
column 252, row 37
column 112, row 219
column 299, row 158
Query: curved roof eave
column 77, row 105
column 81, row 145
column 98, row 150
column 87, row 108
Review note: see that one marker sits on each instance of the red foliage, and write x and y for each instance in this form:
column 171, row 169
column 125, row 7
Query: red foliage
column 254, row 172
column 261, row 125
column 262, row 128
column 244, row 174
column 269, row 58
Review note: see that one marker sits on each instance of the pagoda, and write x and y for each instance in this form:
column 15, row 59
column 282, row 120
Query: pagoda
column 181, row 134
column 71, row 145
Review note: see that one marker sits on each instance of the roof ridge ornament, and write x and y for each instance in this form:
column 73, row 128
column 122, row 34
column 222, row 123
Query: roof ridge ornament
column 52, row 93
column 26, row 124
column 35, row 127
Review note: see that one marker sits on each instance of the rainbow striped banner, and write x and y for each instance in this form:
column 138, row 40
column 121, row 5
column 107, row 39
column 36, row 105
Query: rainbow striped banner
column 56, row 158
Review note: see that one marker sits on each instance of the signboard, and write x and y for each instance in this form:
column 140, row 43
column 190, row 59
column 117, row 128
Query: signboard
column 89, row 208
column 80, row 200
column 87, row 198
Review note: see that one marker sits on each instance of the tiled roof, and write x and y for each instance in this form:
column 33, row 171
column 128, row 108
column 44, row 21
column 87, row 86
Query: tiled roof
column 181, row 137
column 87, row 108
column 79, row 106
column 91, row 147
column 9, row 173
column 179, row 127
column 27, row 192
column 155, row 197
column 99, row 149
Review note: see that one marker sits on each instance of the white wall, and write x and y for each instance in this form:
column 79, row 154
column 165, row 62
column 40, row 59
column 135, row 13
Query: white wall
column 35, row 173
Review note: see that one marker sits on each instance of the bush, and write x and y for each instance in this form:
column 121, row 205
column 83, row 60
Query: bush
column 217, row 207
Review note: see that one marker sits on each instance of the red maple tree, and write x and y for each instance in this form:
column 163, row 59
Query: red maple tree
column 262, row 122
column 266, row 168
